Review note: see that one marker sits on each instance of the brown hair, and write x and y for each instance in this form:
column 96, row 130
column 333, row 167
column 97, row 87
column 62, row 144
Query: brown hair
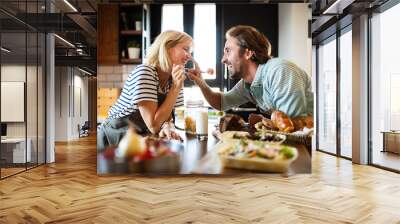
column 250, row 38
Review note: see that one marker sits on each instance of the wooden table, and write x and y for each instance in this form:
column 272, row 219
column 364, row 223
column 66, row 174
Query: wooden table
column 198, row 156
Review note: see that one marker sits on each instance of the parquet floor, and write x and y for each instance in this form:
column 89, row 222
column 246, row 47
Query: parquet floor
column 69, row 191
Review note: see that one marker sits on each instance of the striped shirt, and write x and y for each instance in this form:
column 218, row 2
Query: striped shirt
column 142, row 85
column 277, row 85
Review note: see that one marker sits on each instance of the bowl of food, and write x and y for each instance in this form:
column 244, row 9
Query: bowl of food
column 158, row 157
column 256, row 156
column 264, row 136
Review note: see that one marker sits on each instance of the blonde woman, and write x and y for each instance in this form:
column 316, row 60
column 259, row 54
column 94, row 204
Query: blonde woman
column 151, row 92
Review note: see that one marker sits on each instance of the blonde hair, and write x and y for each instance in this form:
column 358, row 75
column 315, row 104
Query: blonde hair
column 157, row 54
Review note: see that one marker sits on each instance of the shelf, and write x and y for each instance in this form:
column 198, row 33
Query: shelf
column 131, row 61
column 131, row 32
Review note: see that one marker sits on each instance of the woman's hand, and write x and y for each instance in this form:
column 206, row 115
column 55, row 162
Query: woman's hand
column 178, row 76
column 169, row 133
column 195, row 74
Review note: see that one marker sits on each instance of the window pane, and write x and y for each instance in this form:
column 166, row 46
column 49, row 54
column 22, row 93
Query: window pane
column 205, row 37
column 327, row 97
column 385, row 87
column 14, row 152
column 346, row 94
column 172, row 17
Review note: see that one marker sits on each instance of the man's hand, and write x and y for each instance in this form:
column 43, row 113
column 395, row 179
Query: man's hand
column 195, row 74
column 169, row 133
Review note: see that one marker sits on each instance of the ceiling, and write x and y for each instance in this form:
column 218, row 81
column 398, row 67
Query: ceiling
column 328, row 16
column 76, row 20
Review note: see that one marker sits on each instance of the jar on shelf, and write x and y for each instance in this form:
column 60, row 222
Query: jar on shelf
column 196, row 117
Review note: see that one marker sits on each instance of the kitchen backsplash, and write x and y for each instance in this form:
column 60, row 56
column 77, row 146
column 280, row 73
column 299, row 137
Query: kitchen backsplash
column 113, row 76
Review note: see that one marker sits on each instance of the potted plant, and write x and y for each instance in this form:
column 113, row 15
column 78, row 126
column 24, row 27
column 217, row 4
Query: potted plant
column 133, row 49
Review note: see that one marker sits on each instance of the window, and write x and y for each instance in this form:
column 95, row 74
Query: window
column 172, row 17
column 346, row 94
column 22, row 65
column 385, row 87
column 205, row 37
column 327, row 96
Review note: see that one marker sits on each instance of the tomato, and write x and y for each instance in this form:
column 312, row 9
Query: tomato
column 109, row 153
column 147, row 154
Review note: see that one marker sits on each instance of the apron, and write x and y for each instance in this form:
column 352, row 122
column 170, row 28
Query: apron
column 111, row 131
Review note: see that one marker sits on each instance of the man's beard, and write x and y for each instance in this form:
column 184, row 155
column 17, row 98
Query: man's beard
column 237, row 74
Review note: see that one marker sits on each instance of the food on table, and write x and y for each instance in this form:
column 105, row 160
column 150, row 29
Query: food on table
column 231, row 122
column 256, row 136
column 268, row 137
column 298, row 124
column 154, row 148
column 265, row 124
column 157, row 158
column 309, row 120
column 136, row 147
column 109, row 152
column 301, row 122
column 257, row 149
column 215, row 113
column 139, row 154
column 282, row 121
column 229, row 135
column 190, row 124
column 256, row 155
column 269, row 124
column 254, row 119
column 130, row 145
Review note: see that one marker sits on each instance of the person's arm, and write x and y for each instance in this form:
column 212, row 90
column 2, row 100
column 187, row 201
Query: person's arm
column 213, row 98
column 234, row 97
column 168, row 130
column 155, row 116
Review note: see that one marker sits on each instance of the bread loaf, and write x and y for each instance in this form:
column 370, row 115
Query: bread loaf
column 282, row 121
column 309, row 120
column 254, row 119
column 298, row 123
column 231, row 122
column 301, row 122
column 269, row 125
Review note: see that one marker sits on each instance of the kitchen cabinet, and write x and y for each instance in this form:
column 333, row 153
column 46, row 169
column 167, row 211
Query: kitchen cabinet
column 133, row 32
column 123, row 33
column 107, row 34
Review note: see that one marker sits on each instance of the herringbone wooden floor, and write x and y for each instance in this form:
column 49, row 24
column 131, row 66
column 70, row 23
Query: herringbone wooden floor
column 69, row 191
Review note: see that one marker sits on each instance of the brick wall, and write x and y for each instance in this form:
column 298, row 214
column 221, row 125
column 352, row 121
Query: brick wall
column 113, row 76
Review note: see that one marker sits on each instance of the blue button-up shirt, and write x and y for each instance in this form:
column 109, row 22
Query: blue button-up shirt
column 278, row 85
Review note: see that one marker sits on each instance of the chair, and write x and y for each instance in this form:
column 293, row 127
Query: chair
column 84, row 130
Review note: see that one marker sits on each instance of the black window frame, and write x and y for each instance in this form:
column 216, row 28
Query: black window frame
column 332, row 33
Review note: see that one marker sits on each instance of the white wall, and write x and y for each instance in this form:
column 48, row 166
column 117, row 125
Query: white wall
column 17, row 73
column 14, row 73
column 70, row 84
column 79, row 117
column 294, row 44
column 61, row 103
column 33, row 127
